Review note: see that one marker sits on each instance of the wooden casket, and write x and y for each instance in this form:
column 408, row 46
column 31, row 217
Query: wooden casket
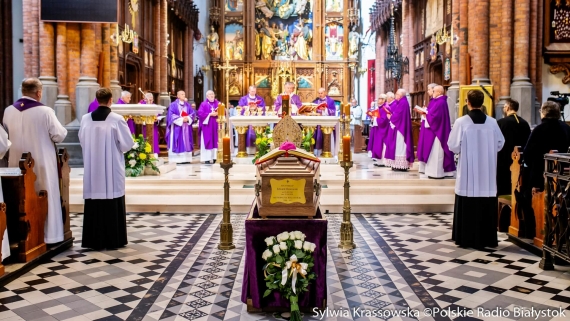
column 288, row 187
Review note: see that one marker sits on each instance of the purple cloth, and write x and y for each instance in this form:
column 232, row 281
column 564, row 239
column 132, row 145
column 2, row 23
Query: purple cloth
column 130, row 122
column 440, row 127
column 403, row 123
column 256, row 230
column 381, row 131
column 156, row 145
column 244, row 101
column 209, row 131
column 25, row 104
column 330, row 111
column 182, row 135
column 420, row 151
column 93, row 105
column 293, row 99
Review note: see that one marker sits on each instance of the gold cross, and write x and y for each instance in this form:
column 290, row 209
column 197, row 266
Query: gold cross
column 227, row 67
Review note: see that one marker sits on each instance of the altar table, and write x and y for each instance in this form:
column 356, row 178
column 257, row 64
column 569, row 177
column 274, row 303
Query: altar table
column 256, row 231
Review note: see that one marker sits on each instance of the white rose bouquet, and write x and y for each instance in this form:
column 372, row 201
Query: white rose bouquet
column 288, row 270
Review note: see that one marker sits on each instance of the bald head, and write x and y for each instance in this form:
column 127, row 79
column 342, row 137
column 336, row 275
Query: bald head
column 322, row 93
column 438, row 91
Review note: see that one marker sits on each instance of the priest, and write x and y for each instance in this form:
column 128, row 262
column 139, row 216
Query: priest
column 179, row 130
column 422, row 154
column 92, row 106
column 33, row 127
column 104, row 138
column 149, row 99
column 208, row 116
column 477, row 139
column 329, row 110
column 399, row 144
column 382, row 125
column 4, row 146
column 440, row 161
column 251, row 101
column 126, row 99
column 294, row 100
column 372, row 114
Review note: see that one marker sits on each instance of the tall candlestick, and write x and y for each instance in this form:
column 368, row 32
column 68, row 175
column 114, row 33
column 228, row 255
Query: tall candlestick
column 221, row 110
column 285, row 105
column 346, row 109
column 346, row 154
column 226, row 150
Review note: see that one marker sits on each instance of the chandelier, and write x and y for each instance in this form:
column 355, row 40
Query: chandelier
column 395, row 65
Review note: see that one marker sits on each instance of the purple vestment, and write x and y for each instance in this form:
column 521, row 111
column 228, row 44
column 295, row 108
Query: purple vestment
column 329, row 111
column 130, row 122
column 293, row 99
column 381, row 131
column 420, row 151
column 156, row 135
column 182, row 141
column 244, row 102
column 210, row 130
column 25, row 104
column 439, row 125
column 403, row 124
column 93, row 105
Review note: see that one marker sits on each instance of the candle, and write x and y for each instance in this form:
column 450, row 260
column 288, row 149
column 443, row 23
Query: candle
column 221, row 109
column 346, row 110
column 285, row 105
column 226, row 150
column 346, row 154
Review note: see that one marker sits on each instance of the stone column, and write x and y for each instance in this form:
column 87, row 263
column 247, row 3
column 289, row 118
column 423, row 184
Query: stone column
column 480, row 37
column 87, row 85
column 506, row 54
column 35, row 28
column 157, row 40
column 462, row 33
column 106, row 48
column 380, row 71
column 411, row 42
column 406, row 38
column 521, row 88
column 73, row 59
column 164, row 99
column 62, row 105
column 453, row 91
column 114, row 67
column 47, row 70
column 27, row 35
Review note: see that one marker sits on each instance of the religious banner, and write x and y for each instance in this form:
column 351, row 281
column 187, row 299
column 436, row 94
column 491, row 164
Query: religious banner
column 234, row 5
column 234, row 41
column 334, row 37
column 434, row 16
column 334, row 5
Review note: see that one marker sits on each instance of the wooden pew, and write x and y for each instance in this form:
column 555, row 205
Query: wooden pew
column 2, row 229
column 64, row 170
column 26, row 211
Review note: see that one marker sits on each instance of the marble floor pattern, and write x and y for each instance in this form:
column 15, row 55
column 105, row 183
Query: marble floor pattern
column 172, row 270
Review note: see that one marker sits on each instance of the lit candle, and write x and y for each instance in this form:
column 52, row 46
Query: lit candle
column 221, row 110
column 346, row 154
column 347, row 109
column 284, row 105
column 226, row 150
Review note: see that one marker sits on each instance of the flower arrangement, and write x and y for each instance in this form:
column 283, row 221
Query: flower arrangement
column 288, row 270
column 263, row 142
column 308, row 140
column 139, row 157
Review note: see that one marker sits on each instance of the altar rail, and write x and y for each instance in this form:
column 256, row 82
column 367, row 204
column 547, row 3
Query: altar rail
column 556, row 216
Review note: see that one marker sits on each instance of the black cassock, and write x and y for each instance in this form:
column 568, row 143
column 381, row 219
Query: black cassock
column 516, row 132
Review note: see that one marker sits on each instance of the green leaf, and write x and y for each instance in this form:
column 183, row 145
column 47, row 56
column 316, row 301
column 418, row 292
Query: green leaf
column 278, row 259
column 266, row 293
column 299, row 254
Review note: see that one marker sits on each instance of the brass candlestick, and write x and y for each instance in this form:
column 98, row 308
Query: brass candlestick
column 221, row 131
column 346, row 229
column 344, row 119
column 226, row 229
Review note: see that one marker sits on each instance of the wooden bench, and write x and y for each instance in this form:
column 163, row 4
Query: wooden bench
column 26, row 212
column 2, row 229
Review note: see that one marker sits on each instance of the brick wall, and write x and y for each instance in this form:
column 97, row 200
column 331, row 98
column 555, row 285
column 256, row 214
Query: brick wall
column 495, row 48
column 61, row 58
column 73, row 61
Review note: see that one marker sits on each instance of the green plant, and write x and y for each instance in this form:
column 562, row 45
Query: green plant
column 139, row 157
column 263, row 143
column 308, row 140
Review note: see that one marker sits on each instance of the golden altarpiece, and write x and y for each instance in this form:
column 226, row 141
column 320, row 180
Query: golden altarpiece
column 270, row 42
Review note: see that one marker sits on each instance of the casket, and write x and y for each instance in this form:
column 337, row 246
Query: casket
column 288, row 186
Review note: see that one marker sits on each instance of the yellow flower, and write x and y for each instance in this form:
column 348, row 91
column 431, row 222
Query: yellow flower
column 258, row 141
column 312, row 141
column 142, row 156
column 147, row 148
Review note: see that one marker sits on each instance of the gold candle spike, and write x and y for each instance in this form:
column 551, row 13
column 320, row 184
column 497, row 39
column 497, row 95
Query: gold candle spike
column 226, row 229
column 346, row 228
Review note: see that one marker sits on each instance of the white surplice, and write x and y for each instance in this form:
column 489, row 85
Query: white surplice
column 477, row 146
column 104, row 144
column 434, row 165
column 36, row 130
column 4, row 146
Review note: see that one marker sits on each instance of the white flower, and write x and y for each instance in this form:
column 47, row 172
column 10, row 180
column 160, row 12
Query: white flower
column 298, row 244
column 283, row 246
column 276, row 248
column 269, row 135
column 292, row 236
column 313, row 247
column 136, row 145
column 299, row 236
column 270, row 240
column 132, row 155
column 282, row 237
column 267, row 254
column 308, row 246
column 132, row 162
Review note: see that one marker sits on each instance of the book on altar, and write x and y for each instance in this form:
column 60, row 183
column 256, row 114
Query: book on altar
column 298, row 152
column 420, row 109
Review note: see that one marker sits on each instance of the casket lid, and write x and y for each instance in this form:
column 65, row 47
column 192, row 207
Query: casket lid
column 288, row 166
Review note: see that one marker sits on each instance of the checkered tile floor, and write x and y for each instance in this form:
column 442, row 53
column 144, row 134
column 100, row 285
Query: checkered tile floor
column 172, row 270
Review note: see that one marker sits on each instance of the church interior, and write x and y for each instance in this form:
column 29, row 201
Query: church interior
column 206, row 235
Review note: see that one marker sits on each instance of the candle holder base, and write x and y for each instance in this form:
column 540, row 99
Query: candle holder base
column 241, row 154
column 226, row 228
column 346, row 236
column 346, row 228
column 327, row 155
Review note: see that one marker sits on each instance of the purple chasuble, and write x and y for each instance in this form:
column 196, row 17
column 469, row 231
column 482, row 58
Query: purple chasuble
column 93, row 105
column 130, row 122
column 156, row 135
column 182, row 141
column 440, row 127
column 329, row 111
column 293, row 99
column 381, row 131
column 244, row 101
column 25, row 104
column 210, row 130
column 403, row 124
column 420, row 149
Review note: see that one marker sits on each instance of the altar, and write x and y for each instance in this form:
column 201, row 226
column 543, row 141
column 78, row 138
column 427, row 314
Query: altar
column 329, row 126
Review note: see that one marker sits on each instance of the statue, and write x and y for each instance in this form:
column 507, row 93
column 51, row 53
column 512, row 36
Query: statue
column 213, row 44
column 234, row 85
column 353, row 41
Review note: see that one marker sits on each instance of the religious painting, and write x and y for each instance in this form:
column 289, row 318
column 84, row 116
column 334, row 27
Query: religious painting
column 334, row 5
column 235, row 82
column 234, row 5
column 262, row 81
column 334, row 34
column 434, row 16
column 305, row 78
column 284, row 30
column 560, row 17
column 234, row 41
column 334, row 82
column 488, row 105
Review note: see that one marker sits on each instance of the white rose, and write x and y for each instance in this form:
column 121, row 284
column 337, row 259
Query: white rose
column 276, row 248
column 132, row 155
column 270, row 240
column 283, row 236
column 306, row 246
column 283, row 246
column 298, row 244
column 313, row 247
column 132, row 162
column 267, row 254
column 136, row 145
column 292, row 236
column 299, row 236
